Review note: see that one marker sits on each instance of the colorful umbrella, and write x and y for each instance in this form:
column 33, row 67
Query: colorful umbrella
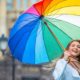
column 42, row 32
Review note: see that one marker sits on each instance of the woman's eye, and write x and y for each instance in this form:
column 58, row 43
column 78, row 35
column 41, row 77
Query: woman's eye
column 78, row 46
column 73, row 45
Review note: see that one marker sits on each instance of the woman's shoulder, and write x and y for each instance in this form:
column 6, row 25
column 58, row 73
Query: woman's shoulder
column 61, row 62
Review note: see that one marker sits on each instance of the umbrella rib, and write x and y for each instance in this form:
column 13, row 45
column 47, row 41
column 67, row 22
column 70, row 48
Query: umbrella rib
column 42, row 7
column 52, row 6
column 47, row 6
column 36, row 10
column 61, row 30
column 65, row 21
column 60, row 9
column 28, row 39
column 46, row 51
column 18, row 41
column 55, row 36
column 34, row 15
column 20, row 29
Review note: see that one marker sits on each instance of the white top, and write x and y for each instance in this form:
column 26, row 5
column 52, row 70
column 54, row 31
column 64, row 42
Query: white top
column 64, row 71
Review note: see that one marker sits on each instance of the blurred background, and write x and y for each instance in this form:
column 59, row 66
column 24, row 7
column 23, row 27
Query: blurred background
column 11, row 69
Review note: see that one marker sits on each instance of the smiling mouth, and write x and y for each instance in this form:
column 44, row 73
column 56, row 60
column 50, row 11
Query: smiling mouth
column 76, row 51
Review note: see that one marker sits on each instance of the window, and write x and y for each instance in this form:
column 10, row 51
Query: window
column 9, row 5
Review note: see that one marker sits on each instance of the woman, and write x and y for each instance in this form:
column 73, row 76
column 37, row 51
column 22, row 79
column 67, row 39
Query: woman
column 68, row 67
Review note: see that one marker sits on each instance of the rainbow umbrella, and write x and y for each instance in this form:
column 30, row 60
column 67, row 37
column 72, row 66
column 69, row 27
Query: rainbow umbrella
column 42, row 32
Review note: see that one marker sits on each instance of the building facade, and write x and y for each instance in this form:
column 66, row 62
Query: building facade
column 11, row 69
column 3, row 15
column 10, row 10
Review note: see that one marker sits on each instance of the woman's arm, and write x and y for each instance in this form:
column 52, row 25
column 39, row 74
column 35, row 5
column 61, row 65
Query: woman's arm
column 59, row 69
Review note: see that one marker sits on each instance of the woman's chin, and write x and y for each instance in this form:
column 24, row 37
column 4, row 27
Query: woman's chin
column 74, row 54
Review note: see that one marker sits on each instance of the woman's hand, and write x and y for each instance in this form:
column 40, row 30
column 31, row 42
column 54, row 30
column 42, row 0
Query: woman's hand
column 66, row 55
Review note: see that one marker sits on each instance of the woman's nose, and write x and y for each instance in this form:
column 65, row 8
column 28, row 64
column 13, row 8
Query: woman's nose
column 76, row 47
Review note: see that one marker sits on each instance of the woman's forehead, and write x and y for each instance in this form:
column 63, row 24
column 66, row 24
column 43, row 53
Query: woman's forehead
column 75, row 42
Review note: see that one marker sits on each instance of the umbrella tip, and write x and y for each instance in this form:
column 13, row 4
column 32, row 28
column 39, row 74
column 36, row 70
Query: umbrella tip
column 41, row 17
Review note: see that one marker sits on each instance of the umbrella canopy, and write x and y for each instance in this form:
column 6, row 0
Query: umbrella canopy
column 42, row 32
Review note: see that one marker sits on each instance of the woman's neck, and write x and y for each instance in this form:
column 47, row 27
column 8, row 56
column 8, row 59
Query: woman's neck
column 72, row 58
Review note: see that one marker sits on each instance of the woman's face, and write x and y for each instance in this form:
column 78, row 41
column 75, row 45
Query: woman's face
column 74, row 49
